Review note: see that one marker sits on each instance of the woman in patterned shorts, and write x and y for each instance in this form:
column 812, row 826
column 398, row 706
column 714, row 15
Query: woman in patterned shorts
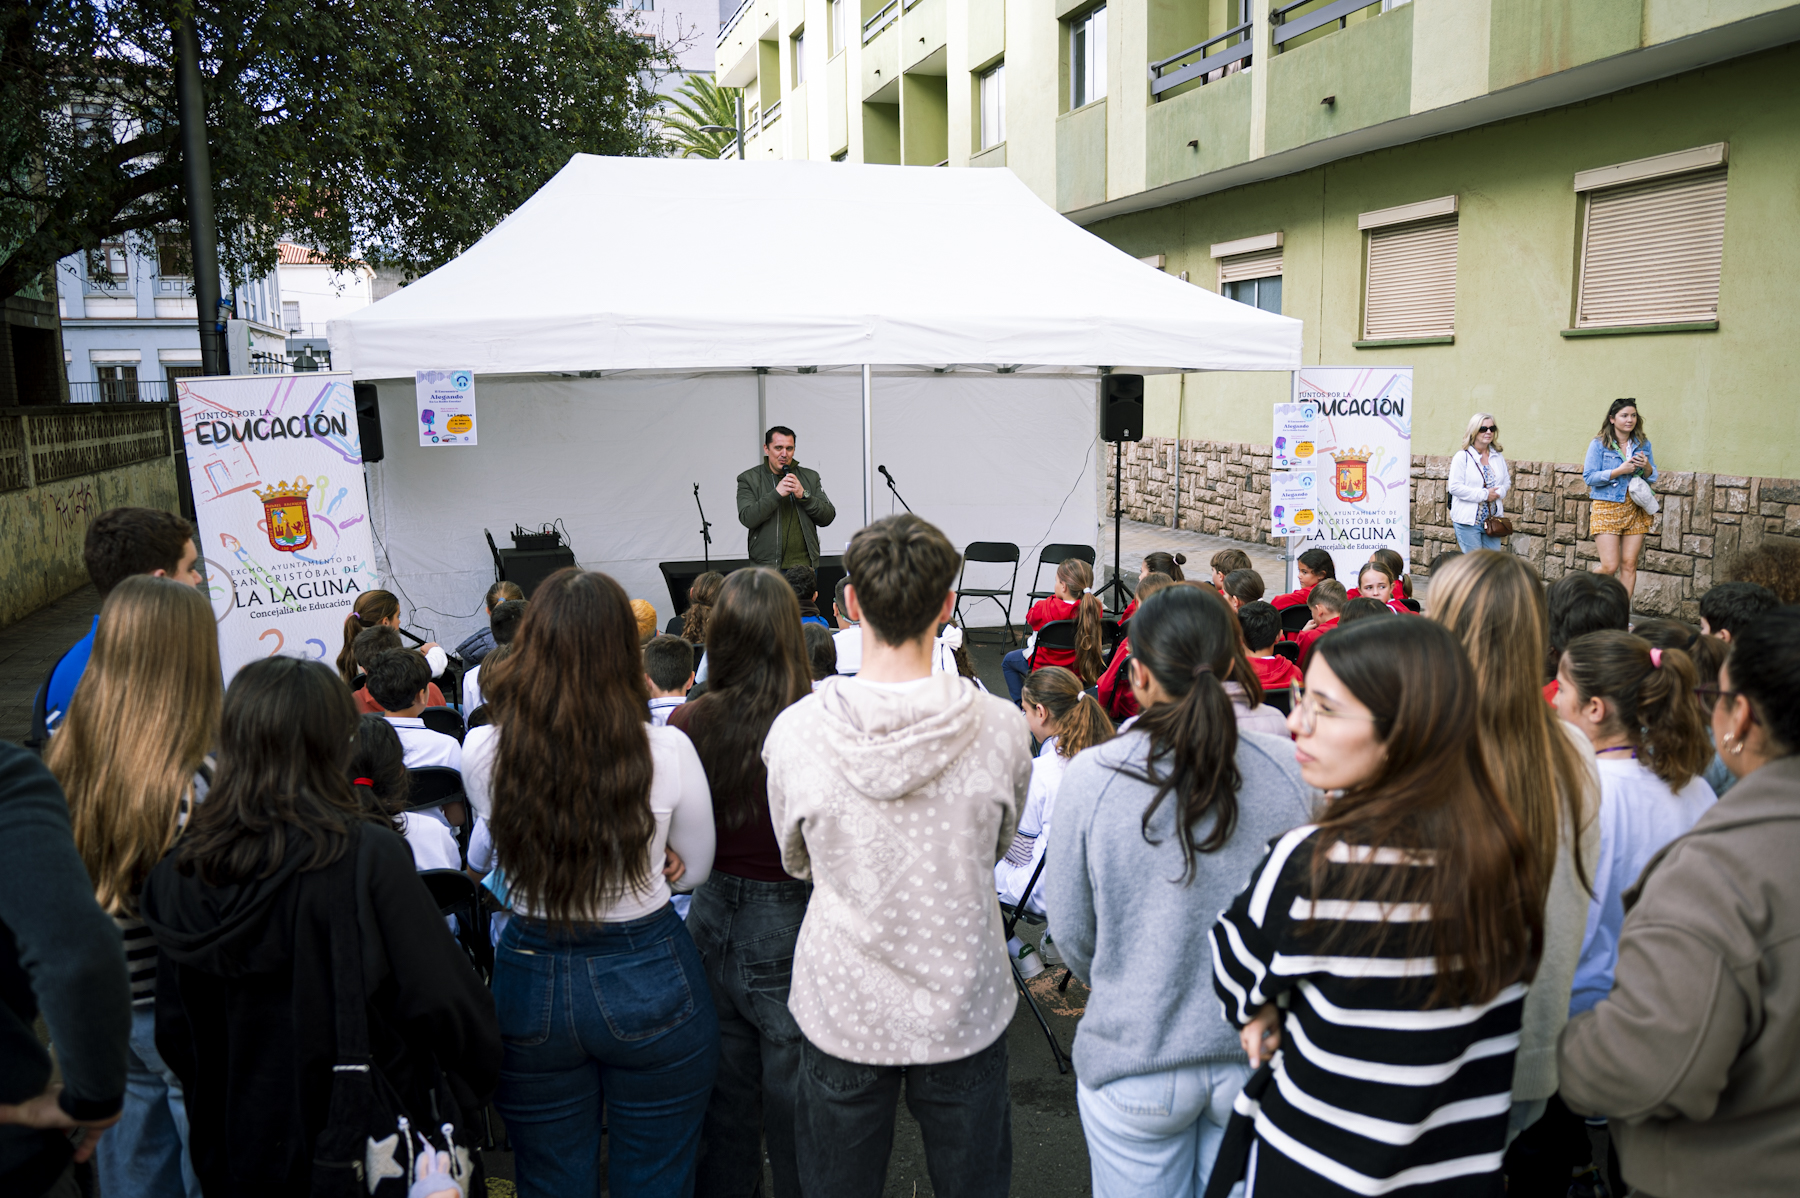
column 1618, row 525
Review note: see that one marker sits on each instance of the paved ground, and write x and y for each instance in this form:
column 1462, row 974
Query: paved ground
column 31, row 646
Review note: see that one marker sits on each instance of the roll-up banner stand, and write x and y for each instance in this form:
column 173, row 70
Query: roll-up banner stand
column 1350, row 429
column 276, row 465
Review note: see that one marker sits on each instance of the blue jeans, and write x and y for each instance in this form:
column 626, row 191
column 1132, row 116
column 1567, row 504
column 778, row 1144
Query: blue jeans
column 1469, row 538
column 745, row 931
column 845, row 1123
column 615, row 1016
column 1156, row 1135
column 1016, row 669
column 145, row 1154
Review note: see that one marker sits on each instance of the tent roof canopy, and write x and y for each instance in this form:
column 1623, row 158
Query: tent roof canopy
column 692, row 264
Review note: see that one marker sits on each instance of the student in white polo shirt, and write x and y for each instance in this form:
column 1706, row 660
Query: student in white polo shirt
column 397, row 681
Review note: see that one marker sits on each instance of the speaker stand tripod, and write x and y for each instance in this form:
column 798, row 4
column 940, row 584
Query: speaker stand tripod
column 1117, row 582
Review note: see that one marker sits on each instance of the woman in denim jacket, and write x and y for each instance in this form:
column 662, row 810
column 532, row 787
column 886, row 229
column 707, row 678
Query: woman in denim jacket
column 1618, row 525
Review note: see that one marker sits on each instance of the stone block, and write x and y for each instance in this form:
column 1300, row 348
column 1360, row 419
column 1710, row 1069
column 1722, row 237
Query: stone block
column 1658, row 594
column 1790, row 525
column 1699, row 546
column 1731, row 480
column 1671, row 482
column 1703, row 497
column 1771, row 509
column 1780, row 490
column 1657, row 561
column 1722, row 519
column 1586, row 551
column 1565, row 533
column 1544, row 502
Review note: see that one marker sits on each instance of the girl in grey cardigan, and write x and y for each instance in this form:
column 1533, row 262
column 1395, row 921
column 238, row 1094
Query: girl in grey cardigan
column 1155, row 834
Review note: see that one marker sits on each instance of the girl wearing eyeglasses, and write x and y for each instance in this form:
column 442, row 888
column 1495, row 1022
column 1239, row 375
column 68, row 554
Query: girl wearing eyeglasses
column 1377, row 962
column 1479, row 481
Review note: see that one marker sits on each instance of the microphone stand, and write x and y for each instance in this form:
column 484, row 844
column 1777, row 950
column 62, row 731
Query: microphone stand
column 895, row 490
column 705, row 524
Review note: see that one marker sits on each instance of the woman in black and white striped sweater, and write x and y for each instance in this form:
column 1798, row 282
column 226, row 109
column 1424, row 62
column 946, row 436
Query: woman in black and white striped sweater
column 1377, row 963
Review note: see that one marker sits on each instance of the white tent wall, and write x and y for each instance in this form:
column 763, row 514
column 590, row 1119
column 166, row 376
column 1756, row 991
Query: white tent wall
column 984, row 457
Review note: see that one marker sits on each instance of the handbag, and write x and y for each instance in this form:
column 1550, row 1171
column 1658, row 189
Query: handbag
column 369, row 1143
column 1495, row 525
column 1639, row 492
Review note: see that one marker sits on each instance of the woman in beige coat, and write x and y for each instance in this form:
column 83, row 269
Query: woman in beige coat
column 1692, row 1054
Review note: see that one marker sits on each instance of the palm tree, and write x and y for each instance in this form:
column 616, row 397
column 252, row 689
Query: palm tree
column 700, row 102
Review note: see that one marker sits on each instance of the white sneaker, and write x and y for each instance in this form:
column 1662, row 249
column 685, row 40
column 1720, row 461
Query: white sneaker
column 1025, row 957
column 1047, row 950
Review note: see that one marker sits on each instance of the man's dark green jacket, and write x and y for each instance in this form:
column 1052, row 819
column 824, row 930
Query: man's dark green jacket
column 759, row 510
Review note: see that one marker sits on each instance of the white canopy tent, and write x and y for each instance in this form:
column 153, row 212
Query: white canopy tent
column 638, row 322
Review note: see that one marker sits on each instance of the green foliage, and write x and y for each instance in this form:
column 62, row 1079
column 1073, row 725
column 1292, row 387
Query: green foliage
column 395, row 131
column 699, row 101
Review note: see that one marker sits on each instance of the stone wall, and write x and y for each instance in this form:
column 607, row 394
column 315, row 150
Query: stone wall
column 58, row 470
column 1705, row 518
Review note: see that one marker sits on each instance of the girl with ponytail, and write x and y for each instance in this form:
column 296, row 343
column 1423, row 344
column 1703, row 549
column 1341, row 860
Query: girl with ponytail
column 1636, row 705
column 1072, row 601
column 1066, row 719
column 1156, row 831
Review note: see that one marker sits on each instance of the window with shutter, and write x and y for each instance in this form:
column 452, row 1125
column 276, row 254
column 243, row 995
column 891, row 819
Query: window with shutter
column 1249, row 266
column 1651, row 252
column 1411, row 281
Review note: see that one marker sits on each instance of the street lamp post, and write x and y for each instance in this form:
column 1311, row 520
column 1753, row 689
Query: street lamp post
column 737, row 133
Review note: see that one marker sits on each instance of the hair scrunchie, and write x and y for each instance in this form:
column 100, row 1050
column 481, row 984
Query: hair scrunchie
column 1655, row 658
column 1202, row 668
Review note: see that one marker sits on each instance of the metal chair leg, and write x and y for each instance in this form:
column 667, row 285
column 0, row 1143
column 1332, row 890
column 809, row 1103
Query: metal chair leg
column 1062, row 1064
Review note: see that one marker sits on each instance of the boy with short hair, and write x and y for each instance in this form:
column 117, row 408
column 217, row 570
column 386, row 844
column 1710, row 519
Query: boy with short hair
column 368, row 645
column 848, row 637
column 806, row 590
column 669, row 669
column 1731, row 607
column 1241, row 587
column 1327, row 604
column 503, row 624
column 1262, row 628
column 397, row 682
column 1580, row 603
column 1224, row 562
column 895, row 792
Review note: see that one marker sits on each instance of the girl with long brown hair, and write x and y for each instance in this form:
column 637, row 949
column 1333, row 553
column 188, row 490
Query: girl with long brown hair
column 746, row 918
column 1155, row 831
column 1494, row 604
column 1618, row 454
column 280, row 861
column 1377, row 963
column 376, row 609
column 1073, row 600
column 130, row 756
column 595, row 976
column 701, row 597
column 1065, row 720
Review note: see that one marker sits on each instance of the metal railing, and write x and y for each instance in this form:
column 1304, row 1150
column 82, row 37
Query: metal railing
column 731, row 22
column 770, row 115
column 1282, row 30
column 1203, row 69
column 122, row 391
column 881, row 20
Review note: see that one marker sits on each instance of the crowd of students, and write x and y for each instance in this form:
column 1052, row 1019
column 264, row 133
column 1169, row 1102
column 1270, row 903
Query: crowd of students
column 1400, row 902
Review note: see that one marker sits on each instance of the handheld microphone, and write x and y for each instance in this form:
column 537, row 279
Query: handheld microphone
column 884, row 473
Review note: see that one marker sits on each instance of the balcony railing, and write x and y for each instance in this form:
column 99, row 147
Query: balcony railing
column 122, row 391
column 731, row 22
column 880, row 21
column 1283, row 29
column 1163, row 78
column 771, row 114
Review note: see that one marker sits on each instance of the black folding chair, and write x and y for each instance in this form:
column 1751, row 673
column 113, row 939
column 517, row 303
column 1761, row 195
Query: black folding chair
column 1057, row 634
column 456, row 893
column 1015, row 913
column 999, row 552
column 1056, row 555
column 1278, row 698
column 1289, row 650
column 445, row 720
column 434, row 787
column 1295, row 618
column 1412, row 605
column 480, row 717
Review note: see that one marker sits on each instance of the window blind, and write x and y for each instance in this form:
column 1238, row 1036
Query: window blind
column 1249, row 266
column 1651, row 252
column 1411, row 281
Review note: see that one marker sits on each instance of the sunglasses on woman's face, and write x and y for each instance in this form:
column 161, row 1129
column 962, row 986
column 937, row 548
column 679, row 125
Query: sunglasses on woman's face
column 1488, row 428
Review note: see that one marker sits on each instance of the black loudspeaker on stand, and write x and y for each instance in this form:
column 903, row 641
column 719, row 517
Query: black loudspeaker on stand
column 1121, row 420
column 368, row 421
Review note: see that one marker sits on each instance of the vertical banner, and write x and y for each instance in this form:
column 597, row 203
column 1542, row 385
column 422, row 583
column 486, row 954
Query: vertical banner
column 446, row 407
column 1293, row 502
column 277, row 471
column 1363, row 462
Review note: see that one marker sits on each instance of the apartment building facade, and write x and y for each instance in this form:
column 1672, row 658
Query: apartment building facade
column 1538, row 205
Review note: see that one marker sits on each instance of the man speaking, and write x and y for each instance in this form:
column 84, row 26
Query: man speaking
column 783, row 505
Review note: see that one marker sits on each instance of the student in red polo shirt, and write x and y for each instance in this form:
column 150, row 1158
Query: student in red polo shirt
column 1327, row 603
column 1073, row 601
column 1262, row 628
column 1315, row 566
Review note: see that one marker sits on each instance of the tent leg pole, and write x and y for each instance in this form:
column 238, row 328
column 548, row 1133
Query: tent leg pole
column 868, row 430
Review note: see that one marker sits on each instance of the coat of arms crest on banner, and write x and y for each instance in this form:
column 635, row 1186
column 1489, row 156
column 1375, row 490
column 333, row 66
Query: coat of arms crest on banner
column 285, row 515
column 1352, row 474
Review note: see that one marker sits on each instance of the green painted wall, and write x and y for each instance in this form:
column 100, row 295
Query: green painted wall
column 1367, row 66
column 923, row 116
column 1216, row 114
column 1081, row 157
column 881, row 133
column 1531, row 38
column 1720, row 402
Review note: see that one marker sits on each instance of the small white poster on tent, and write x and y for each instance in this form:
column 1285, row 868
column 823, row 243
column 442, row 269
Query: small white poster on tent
column 1364, row 441
column 1293, row 502
column 277, row 471
column 1296, row 434
column 446, row 407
